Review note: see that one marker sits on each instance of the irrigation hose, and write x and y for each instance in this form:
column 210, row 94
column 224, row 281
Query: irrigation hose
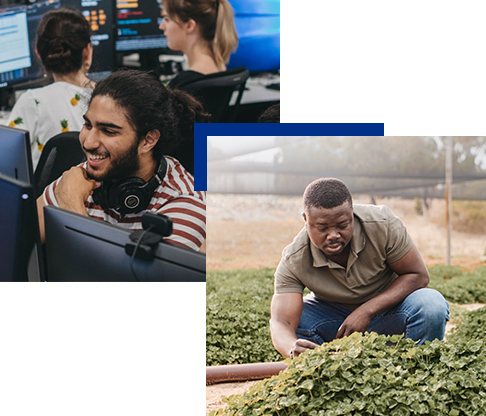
column 242, row 372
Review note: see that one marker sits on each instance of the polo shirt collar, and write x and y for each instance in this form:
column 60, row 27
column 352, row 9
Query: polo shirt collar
column 358, row 241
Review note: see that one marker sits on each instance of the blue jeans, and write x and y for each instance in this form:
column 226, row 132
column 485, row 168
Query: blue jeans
column 422, row 316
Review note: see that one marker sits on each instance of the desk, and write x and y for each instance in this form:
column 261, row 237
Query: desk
column 256, row 90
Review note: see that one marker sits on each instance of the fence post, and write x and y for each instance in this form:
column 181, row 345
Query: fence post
column 448, row 196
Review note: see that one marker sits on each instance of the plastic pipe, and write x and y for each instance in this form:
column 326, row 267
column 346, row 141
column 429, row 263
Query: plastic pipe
column 242, row 372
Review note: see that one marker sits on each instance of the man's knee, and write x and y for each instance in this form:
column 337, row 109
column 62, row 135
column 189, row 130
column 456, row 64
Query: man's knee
column 429, row 304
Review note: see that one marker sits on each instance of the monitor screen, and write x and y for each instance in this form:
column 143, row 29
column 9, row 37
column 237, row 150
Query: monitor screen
column 11, row 2
column 18, row 30
column 83, row 249
column 137, row 25
column 18, row 229
column 99, row 14
column 15, row 154
column 16, row 163
column 257, row 23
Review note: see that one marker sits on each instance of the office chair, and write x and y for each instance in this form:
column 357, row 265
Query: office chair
column 215, row 92
column 60, row 153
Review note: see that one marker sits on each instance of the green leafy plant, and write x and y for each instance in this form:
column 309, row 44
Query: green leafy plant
column 238, row 309
column 457, row 285
column 472, row 326
column 237, row 317
column 357, row 375
column 373, row 375
column 456, row 313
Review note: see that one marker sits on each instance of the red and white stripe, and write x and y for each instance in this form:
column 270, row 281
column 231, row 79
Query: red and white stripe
column 175, row 197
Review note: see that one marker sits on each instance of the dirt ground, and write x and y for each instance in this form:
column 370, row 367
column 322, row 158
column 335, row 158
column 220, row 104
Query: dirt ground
column 250, row 231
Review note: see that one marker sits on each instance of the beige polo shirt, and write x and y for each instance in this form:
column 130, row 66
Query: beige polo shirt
column 379, row 238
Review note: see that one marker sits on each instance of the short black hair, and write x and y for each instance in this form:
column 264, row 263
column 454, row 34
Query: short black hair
column 327, row 193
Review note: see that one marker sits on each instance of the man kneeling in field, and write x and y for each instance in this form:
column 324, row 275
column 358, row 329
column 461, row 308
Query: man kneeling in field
column 363, row 269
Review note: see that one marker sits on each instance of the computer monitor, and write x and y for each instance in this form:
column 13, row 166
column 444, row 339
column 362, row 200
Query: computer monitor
column 18, row 228
column 83, row 249
column 11, row 2
column 257, row 23
column 137, row 25
column 16, row 162
column 99, row 14
column 15, row 154
column 18, row 31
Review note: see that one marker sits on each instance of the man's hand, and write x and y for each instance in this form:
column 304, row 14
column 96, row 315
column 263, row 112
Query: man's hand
column 73, row 190
column 357, row 321
column 300, row 346
column 412, row 275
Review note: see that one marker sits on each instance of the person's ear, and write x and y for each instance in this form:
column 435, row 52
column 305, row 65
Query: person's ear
column 87, row 57
column 191, row 26
column 149, row 141
column 40, row 60
column 303, row 216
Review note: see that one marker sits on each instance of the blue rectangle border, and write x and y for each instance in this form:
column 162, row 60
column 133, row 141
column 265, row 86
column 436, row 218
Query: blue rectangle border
column 202, row 131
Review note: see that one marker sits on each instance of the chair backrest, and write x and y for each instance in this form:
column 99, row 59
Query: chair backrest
column 59, row 154
column 215, row 92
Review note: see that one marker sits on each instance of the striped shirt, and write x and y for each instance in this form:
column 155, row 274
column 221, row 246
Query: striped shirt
column 174, row 197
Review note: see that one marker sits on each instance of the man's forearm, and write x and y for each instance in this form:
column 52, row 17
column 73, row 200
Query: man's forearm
column 40, row 216
column 360, row 318
column 76, row 206
column 394, row 294
column 412, row 275
column 283, row 337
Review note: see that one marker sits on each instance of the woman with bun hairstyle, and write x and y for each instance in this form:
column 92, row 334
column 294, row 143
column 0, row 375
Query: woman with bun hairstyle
column 63, row 45
column 204, row 30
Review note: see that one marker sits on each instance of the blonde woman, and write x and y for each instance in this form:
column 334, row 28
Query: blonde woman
column 204, row 30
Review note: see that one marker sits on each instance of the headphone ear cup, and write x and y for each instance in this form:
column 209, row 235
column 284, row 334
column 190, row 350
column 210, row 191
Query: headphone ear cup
column 100, row 197
column 129, row 196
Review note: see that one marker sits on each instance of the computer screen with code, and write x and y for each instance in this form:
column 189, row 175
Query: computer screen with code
column 99, row 14
column 14, row 37
column 137, row 25
column 18, row 30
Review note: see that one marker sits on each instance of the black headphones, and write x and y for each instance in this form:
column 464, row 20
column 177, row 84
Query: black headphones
column 131, row 195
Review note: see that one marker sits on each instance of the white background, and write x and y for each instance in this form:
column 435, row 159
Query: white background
column 418, row 66
column 128, row 349
column 79, row 349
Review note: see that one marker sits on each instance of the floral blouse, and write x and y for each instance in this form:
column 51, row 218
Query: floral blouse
column 48, row 111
